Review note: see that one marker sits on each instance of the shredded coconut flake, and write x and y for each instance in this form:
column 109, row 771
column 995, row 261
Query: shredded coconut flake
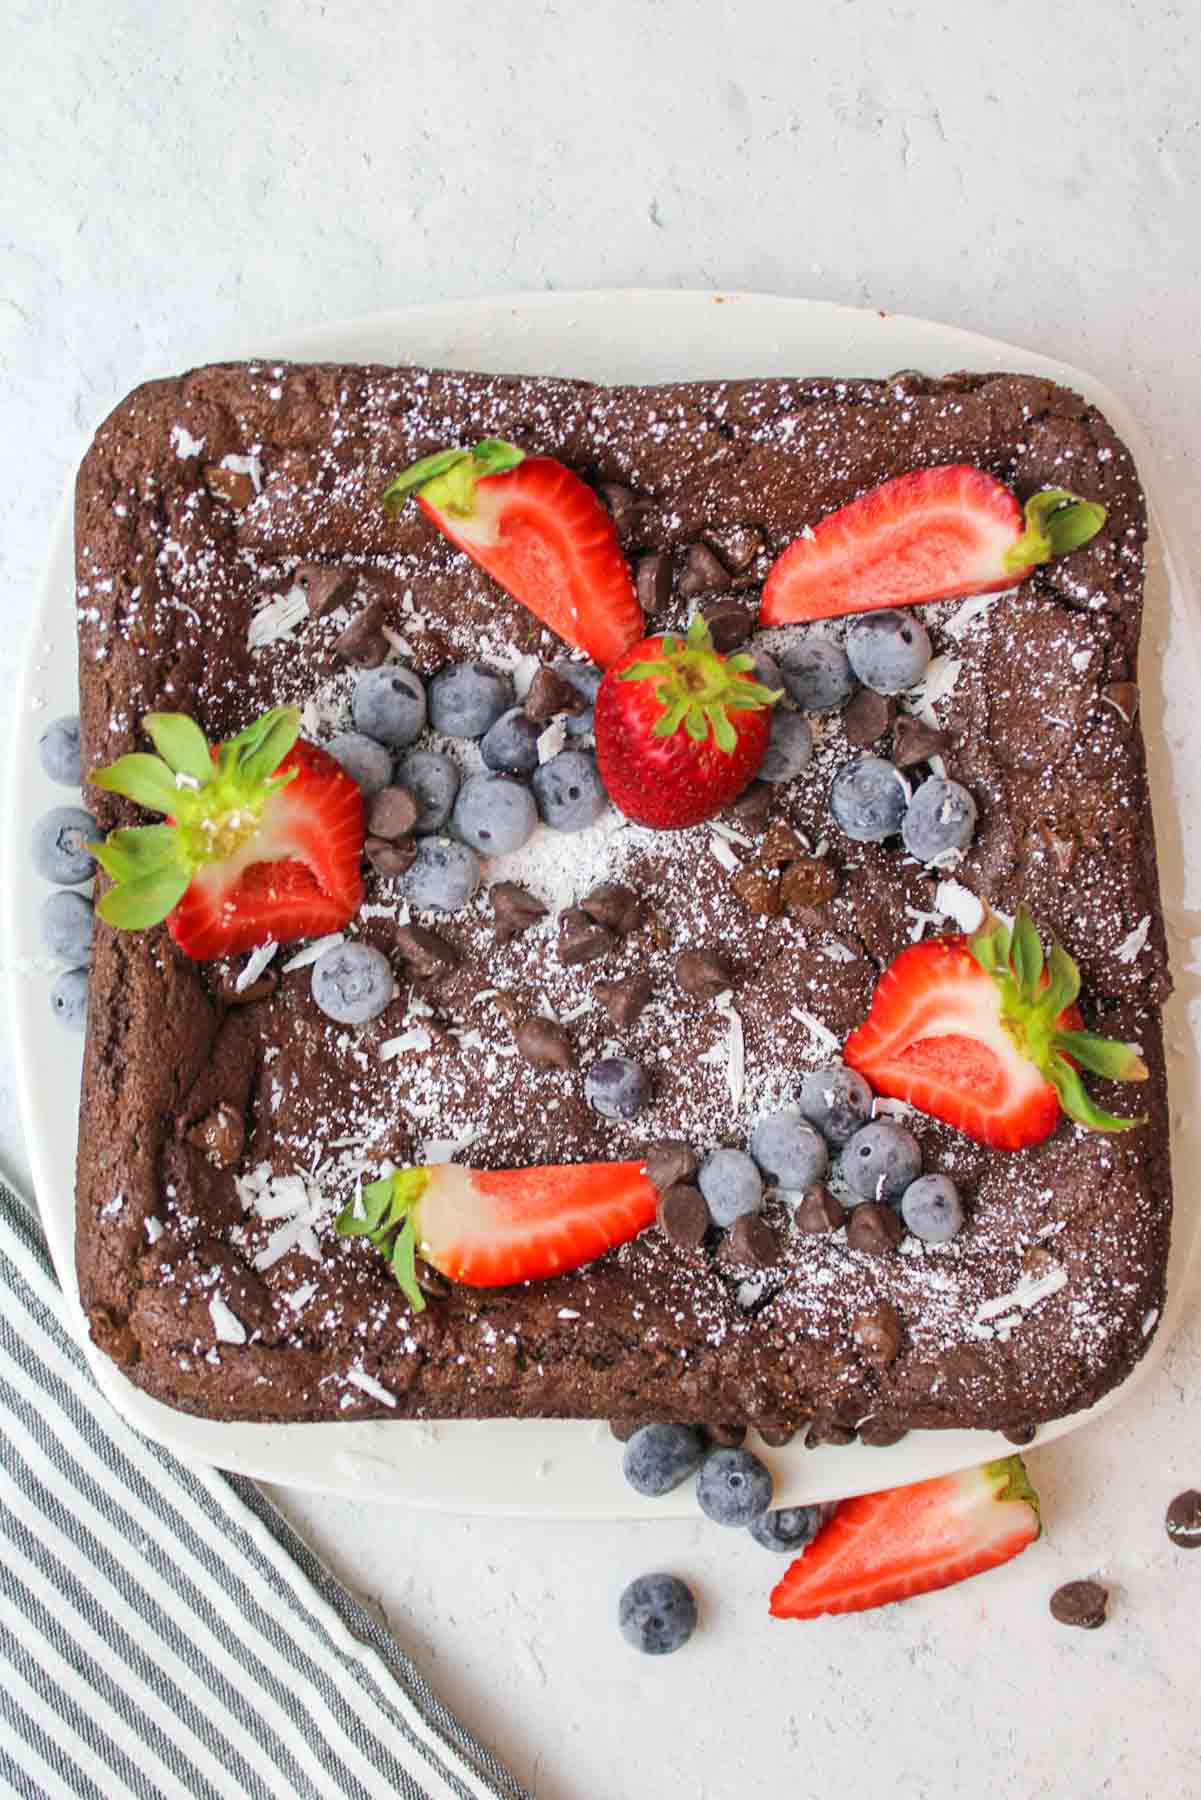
column 719, row 848
column 245, row 465
column 227, row 1325
column 314, row 952
column 960, row 904
column 1025, row 1295
column 552, row 740
column 735, row 1051
column 278, row 619
column 1135, row 942
column 184, row 444
column 826, row 1039
column 970, row 614
column 256, row 962
column 416, row 1038
column 359, row 1378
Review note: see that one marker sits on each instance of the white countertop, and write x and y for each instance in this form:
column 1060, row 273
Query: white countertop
column 184, row 183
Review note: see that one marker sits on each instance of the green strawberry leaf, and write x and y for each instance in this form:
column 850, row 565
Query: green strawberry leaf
column 1064, row 985
column 146, row 779
column 404, row 1266
column 1027, row 954
column 1056, row 522
column 414, row 478
column 263, row 747
column 181, row 744
column 135, row 905
column 1076, row 1103
column 137, row 851
column 1103, row 1056
column 493, row 456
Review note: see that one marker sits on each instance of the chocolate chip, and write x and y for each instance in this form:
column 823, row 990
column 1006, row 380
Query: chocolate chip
column 1124, row 696
column 615, row 905
column 818, row 1210
column 753, row 1241
column 545, row 1044
column 874, row 1228
column 582, row 940
column 725, row 1437
column 624, row 1000
column 913, row 741
column 652, row 581
column 780, row 846
column 683, row 1216
column 810, row 882
column 388, row 858
column 729, row 625
column 324, row 589
column 703, row 573
column 627, row 510
column 431, row 1281
column 703, row 974
column 828, row 1433
column 234, row 486
column 222, row 1136
column 670, row 1162
column 878, row 1335
column 867, row 717
column 738, row 546
column 776, row 1436
column 549, row 695
column 759, row 891
column 514, row 910
column 427, row 954
column 1082, row 1603
column 262, row 989
column 1183, row 1520
column 392, row 813
column 753, row 806
column 363, row 642
column 879, row 1435
column 1020, row 1434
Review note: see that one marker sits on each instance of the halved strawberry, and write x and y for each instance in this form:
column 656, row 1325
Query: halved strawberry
column 492, row 1227
column 910, row 1540
column 982, row 1033
column 540, row 532
column 263, row 840
column 680, row 730
column 932, row 535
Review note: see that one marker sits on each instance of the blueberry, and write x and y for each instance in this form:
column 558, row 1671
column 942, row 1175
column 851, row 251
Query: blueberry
column 585, row 678
column 617, row 1087
column 467, row 699
column 766, row 669
column 495, row 814
column 789, row 747
column 364, row 760
column 790, row 1153
column 432, row 778
column 67, row 925
column 932, row 1209
column 659, row 1457
column 788, row 1529
column 69, row 999
column 59, row 750
column 58, row 844
column 353, row 983
column 888, row 650
column 657, row 1614
column 389, row 705
column 838, row 1101
column 939, row 820
column 881, row 1160
column 731, row 1185
column 569, row 791
column 443, row 877
column 868, row 798
column 733, row 1487
column 512, row 743
column 817, row 673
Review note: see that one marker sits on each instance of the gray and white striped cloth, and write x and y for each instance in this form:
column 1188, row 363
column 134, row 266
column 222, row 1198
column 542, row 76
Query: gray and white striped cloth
column 163, row 1632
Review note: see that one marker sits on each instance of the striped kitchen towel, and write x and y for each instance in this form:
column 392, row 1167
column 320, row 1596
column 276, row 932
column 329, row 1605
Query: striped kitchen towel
column 162, row 1630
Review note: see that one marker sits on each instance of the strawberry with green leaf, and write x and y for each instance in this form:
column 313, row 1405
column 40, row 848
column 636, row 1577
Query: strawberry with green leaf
column 263, row 837
column 983, row 1033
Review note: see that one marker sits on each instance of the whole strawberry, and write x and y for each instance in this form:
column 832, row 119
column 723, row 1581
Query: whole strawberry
column 680, row 730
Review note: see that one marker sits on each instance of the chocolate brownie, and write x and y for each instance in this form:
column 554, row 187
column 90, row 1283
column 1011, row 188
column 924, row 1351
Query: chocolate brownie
column 198, row 502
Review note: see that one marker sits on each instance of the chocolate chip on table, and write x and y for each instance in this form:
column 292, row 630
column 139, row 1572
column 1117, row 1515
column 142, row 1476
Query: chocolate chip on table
column 753, row 806
column 879, row 1436
column 818, row 1210
column 1183, row 1520
column 427, row 954
column 221, row 1135
column 830, row 1432
column 625, row 508
column 363, row 642
column 704, row 573
column 781, row 846
column 730, row 624
column 752, row 1241
column 624, row 1000
column 545, row 1044
column 392, row 813
column 615, row 905
column 670, row 1162
column 808, row 883
column 913, row 741
column 549, row 695
column 514, row 910
column 874, row 1228
column 776, row 1436
column 759, row 891
column 262, row 989
column 867, row 717
column 652, row 582
column 234, row 486
column 878, row 1335
column 582, row 940
column 325, row 588
column 737, row 545
column 1123, row 695
column 1082, row 1603
column 1021, row 1435
column 431, row 1281
column 725, row 1437
column 388, row 858
column 683, row 1216
column 703, row 974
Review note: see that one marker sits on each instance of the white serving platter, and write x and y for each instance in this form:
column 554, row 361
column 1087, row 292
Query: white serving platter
column 554, row 1468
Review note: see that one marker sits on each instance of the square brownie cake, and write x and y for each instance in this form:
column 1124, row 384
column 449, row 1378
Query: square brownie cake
column 233, row 555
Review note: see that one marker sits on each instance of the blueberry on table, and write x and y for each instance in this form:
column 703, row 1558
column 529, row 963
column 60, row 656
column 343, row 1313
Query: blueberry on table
column 585, row 678
column 442, row 877
column 59, row 845
column 495, row 814
column 868, row 799
column 788, row 1529
column 733, row 1487
column 881, row 1160
column 467, row 699
column 511, row 744
column 389, row 705
column 837, row 1101
column 69, row 999
column 889, row 651
column 353, row 983
column 68, row 921
column 659, row 1457
column 58, row 748
column 789, row 748
column 790, row 1152
column 731, row 1185
column 932, row 1209
column 657, row 1614
column 432, row 778
column 817, row 673
column 617, row 1087
column 364, row 760
column 569, row 791
column 939, row 820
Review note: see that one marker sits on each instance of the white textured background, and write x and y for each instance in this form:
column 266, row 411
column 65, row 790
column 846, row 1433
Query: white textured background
column 179, row 182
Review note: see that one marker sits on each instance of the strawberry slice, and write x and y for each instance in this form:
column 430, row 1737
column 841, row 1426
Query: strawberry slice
column 492, row 1227
column 540, row 532
column 910, row 1540
column 263, row 839
column 934, row 534
column 983, row 1033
